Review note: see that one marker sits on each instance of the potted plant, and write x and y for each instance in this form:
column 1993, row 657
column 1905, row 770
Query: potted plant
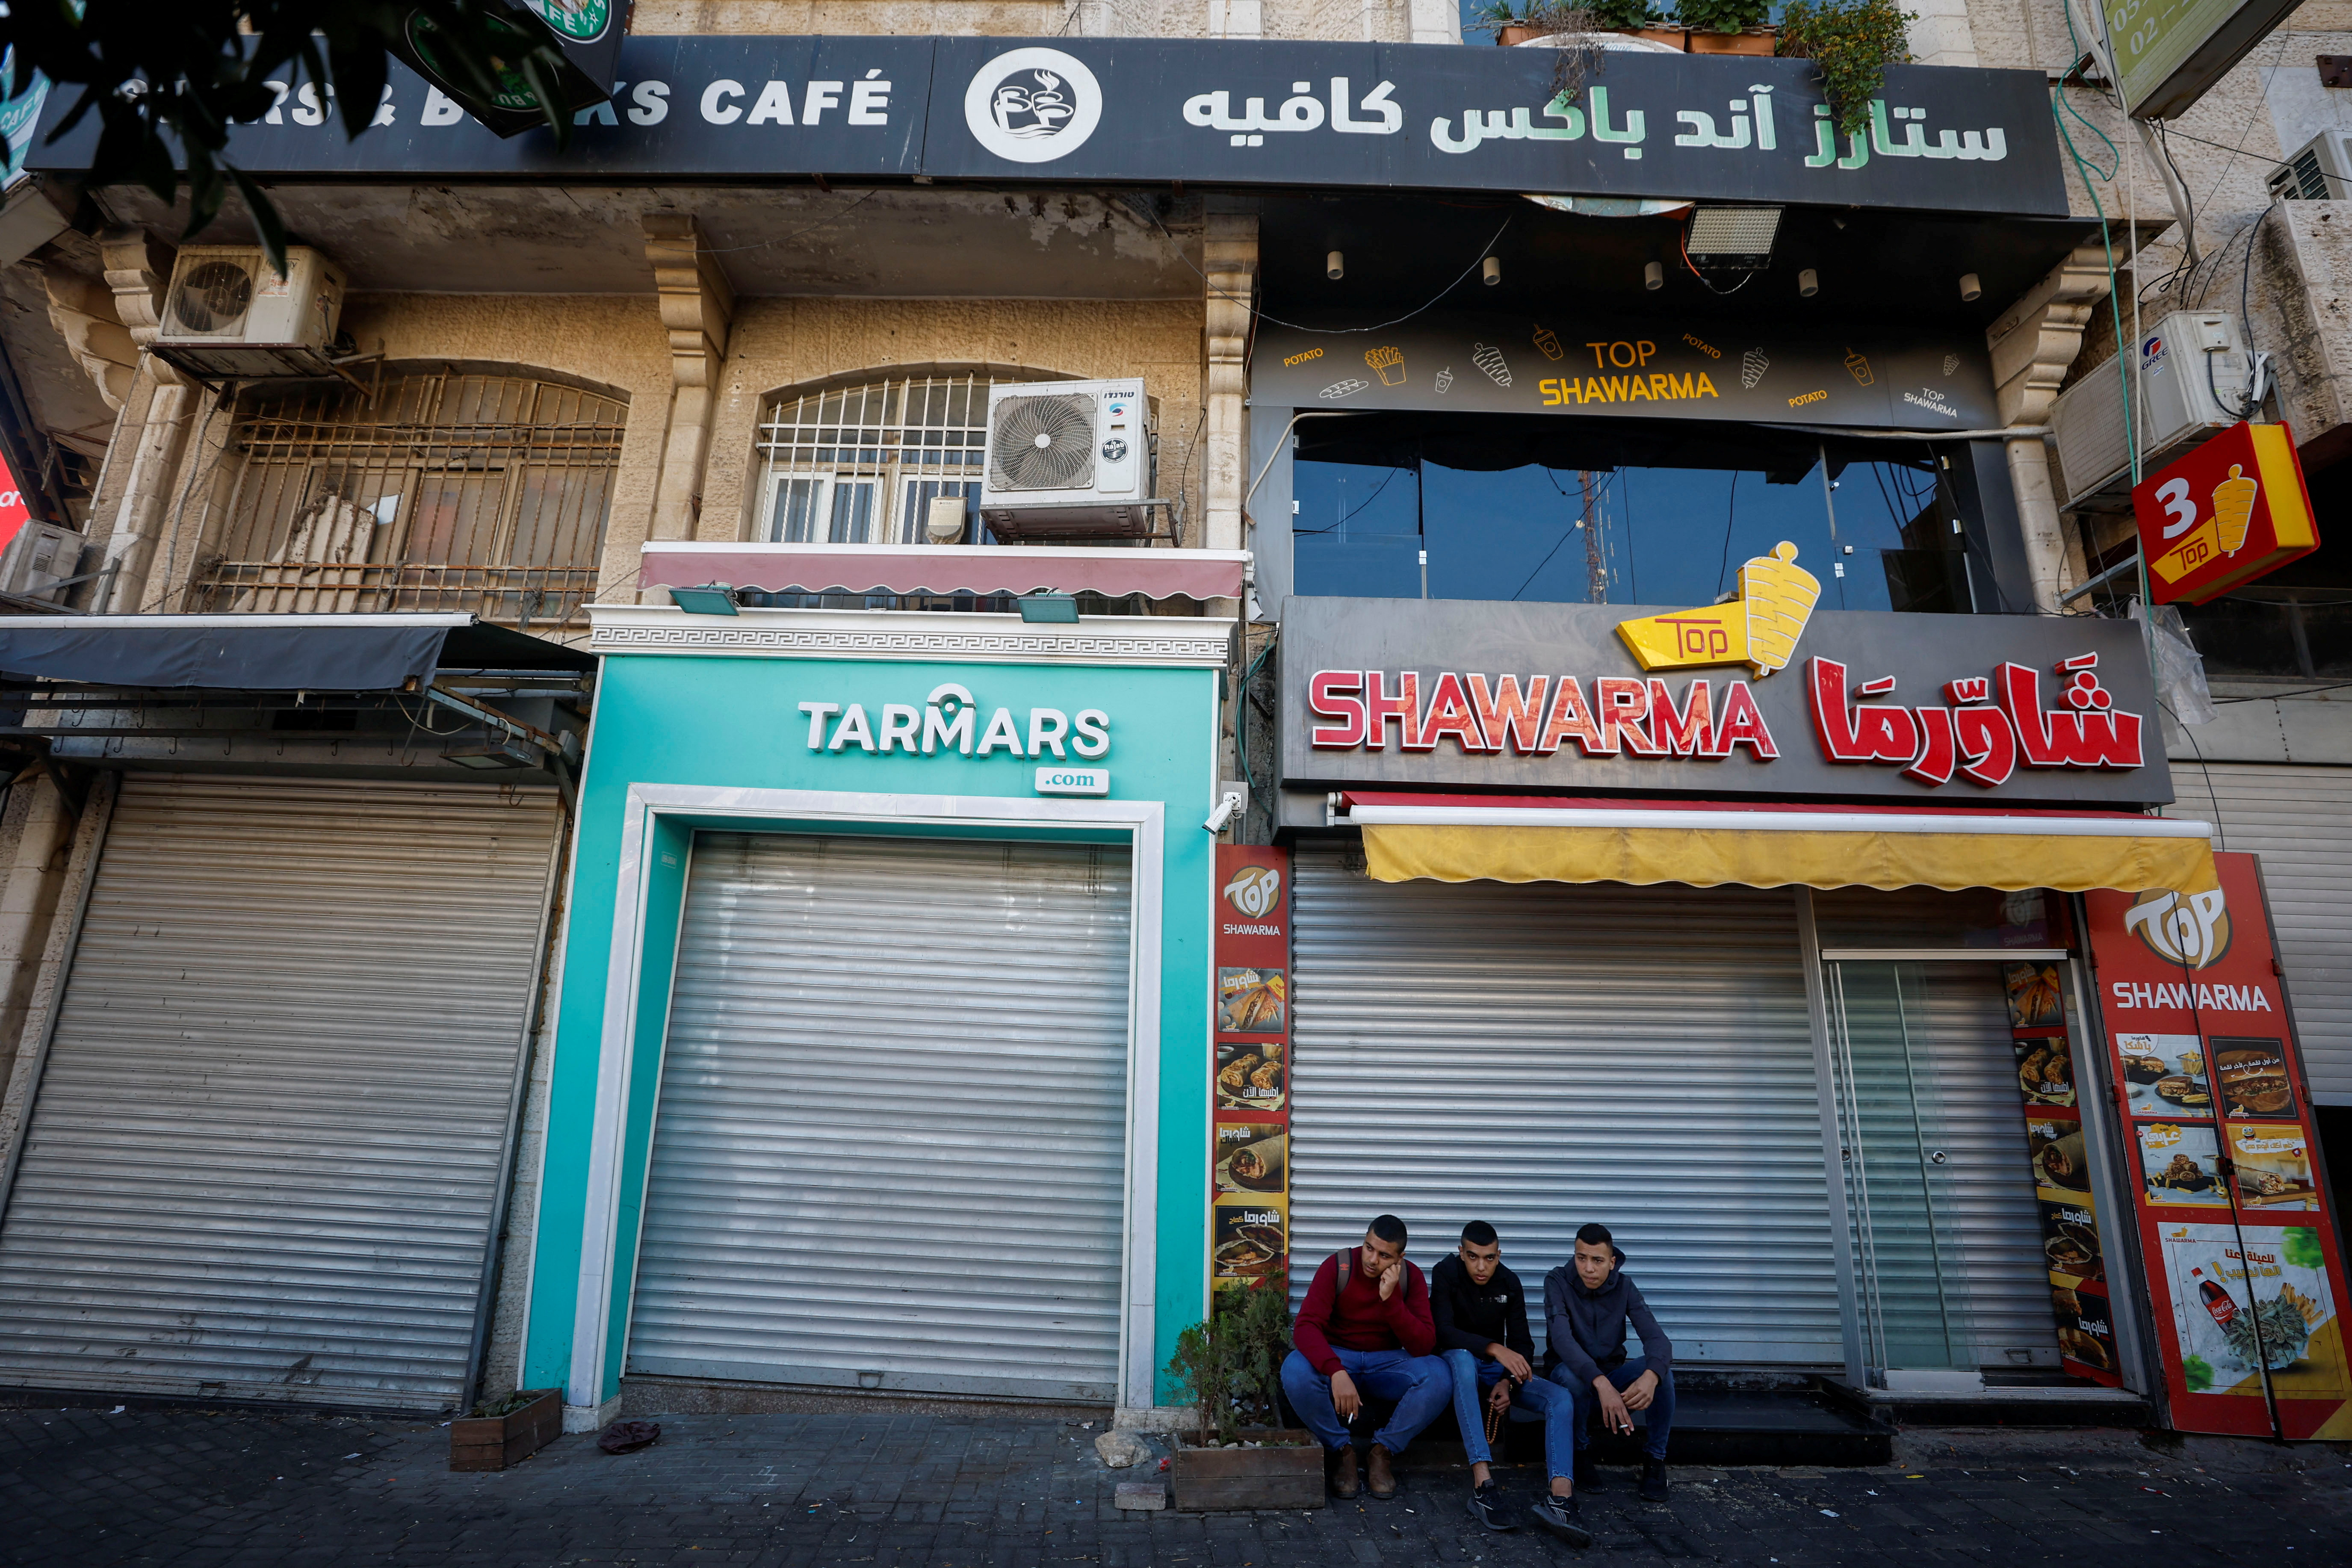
column 503, row 1432
column 1229, row 1367
column 1850, row 44
column 1525, row 21
column 1726, row 27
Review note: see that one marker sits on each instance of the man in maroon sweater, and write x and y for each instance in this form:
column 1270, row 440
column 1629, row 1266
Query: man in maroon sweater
column 1363, row 1329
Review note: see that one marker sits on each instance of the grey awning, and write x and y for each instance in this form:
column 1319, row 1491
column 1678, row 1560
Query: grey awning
column 269, row 652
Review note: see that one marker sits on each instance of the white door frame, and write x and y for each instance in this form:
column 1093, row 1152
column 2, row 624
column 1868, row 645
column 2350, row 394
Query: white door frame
column 1143, row 823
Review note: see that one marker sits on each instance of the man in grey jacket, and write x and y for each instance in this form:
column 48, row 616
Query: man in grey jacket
column 1587, row 1304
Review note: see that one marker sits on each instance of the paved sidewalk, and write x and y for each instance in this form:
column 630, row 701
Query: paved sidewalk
column 92, row 1489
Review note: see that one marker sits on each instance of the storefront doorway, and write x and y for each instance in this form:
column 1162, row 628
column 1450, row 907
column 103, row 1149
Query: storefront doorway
column 1952, row 1274
column 890, row 1142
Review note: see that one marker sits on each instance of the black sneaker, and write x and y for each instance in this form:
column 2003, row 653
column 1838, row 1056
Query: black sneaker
column 1486, row 1507
column 1653, row 1479
column 1588, row 1475
column 1561, row 1517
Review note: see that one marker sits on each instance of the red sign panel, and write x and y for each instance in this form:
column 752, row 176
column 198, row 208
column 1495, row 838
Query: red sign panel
column 13, row 513
column 2234, row 510
column 2245, row 1272
column 1249, row 1157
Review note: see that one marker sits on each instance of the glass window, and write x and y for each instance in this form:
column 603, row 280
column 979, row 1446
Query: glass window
column 1620, row 517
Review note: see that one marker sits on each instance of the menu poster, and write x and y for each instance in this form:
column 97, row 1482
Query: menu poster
column 1249, row 1088
column 2054, row 1152
column 2239, row 1239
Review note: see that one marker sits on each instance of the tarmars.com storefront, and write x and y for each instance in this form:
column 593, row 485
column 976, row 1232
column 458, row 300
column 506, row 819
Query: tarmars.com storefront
column 1789, row 946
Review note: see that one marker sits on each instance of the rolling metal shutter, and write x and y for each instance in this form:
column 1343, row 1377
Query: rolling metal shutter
column 2299, row 820
column 1957, row 1244
column 266, row 1153
column 1539, row 1056
column 890, row 1148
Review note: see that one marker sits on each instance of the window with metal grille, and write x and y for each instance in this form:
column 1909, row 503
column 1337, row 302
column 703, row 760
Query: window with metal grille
column 861, row 465
column 441, row 490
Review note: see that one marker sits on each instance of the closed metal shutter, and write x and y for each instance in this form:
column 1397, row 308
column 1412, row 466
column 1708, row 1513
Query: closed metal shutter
column 265, row 1155
column 1539, row 1056
column 2299, row 820
column 891, row 1147
column 1953, row 1246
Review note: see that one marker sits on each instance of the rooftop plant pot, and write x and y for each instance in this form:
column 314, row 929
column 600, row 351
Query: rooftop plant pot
column 1286, row 1471
column 1515, row 34
column 494, row 1442
column 1753, row 41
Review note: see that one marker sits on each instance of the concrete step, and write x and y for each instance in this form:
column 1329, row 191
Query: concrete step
column 2069, row 1404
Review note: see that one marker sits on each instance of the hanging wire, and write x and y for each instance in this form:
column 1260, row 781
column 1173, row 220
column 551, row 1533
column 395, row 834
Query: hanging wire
column 1255, row 313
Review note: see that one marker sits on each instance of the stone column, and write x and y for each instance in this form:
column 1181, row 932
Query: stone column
column 2032, row 343
column 1229, row 258
column 696, row 306
column 151, row 437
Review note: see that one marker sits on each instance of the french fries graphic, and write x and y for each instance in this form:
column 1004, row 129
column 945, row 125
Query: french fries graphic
column 1388, row 363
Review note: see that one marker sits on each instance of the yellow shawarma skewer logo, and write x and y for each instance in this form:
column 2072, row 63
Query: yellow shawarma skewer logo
column 1758, row 628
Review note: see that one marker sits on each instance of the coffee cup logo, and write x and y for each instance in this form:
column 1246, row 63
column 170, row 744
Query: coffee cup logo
column 1254, row 890
column 2192, row 929
column 1033, row 105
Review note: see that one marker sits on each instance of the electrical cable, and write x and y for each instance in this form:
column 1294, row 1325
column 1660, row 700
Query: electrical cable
column 1368, row 501
column 1730, row 515
column 1255, row 312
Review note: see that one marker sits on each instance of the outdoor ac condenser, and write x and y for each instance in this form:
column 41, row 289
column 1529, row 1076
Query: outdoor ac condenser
column 41, row 556
column 229, row 315
column 1069, row 459
column 2184, row 358
column 2318, row 171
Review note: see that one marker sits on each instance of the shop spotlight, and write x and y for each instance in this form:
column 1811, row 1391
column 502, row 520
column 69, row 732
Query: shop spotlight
column 1809, row 282
column 1654, row 276
column 708, row 599
column 1334, row 267
column 1732, row 239
column 1492, row 271
column 1049, row 609
column 1970, row 289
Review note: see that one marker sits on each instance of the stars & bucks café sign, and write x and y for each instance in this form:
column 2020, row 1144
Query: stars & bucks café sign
column 1765, row 695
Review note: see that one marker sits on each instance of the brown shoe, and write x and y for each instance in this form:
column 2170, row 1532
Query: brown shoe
column 1383, row 1480
column 1343, row 1473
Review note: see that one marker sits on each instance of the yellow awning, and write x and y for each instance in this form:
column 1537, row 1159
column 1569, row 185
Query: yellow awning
column 1774, row 848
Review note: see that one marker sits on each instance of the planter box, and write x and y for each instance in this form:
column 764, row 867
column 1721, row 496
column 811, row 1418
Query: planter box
column 492, row 1443
column 1286, row 1473
column 1512, row 35
column 1754, row 41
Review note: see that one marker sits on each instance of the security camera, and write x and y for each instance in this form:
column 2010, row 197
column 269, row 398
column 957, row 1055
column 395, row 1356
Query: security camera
column 1222, row 818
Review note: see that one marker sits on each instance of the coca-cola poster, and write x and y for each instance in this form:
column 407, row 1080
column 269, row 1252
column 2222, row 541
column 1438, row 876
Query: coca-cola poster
column 2239, row 1242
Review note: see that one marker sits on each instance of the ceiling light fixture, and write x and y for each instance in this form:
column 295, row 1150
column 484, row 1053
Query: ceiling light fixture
column 1492, row 271
column 1732, row 239
column 706, row 599
column 1334, row 267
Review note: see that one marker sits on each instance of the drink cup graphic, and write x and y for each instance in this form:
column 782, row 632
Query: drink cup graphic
column 1859, row 366
column 1445, row 379
column 1548, row 343
column 1388, row 363
column 1778, row 596
column 2234, row 508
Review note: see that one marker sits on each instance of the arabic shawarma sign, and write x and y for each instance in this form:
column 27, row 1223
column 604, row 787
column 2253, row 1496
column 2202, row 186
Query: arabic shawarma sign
column 1237, row 114
column 1650, row 368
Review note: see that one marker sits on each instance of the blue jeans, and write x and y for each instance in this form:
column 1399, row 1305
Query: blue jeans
column 1657, row 1421
column 1474, row 1378
column 1419, row 1385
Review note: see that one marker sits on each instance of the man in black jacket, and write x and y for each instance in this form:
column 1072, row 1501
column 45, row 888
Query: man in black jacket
column 1587, row 1304
column 1481, row 1315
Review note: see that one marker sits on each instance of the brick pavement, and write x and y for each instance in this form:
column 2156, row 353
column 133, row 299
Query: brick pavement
column 90, row 1489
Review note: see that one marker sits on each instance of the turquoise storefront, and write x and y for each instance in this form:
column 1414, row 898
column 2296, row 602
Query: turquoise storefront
column 883, row 999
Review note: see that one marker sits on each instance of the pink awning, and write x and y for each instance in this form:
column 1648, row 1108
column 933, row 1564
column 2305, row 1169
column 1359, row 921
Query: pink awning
column 948, row 569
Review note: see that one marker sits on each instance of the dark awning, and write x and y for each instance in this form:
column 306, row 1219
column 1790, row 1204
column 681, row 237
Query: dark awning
column 269, row 652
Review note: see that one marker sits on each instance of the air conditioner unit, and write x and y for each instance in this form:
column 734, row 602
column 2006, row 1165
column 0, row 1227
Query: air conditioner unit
column 1069, row 459
column 40, row 556
column 2318, row 171
column 2184, row 359
column 229, row 316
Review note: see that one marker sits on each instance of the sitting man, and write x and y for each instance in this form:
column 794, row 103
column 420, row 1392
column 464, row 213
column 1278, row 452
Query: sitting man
column 1364, row 1328
column 1481, row 1314
column 1587, row 1304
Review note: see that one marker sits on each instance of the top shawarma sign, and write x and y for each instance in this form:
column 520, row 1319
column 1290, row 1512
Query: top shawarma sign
column 1372, row 116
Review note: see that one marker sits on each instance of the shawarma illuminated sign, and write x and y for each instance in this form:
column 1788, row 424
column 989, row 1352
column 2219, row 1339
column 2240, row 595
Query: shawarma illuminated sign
column 1223, row 112
column 1584, row 696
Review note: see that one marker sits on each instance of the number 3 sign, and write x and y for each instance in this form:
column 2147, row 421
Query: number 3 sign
column 2232, row 510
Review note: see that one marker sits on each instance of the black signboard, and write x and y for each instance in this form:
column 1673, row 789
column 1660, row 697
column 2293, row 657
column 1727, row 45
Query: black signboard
column 1595, row 362
column 1762, row 695
column 1231, row 114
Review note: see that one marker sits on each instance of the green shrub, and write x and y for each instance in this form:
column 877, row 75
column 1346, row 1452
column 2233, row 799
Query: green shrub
column 1231, row 1365
column 1722, row 15
column 1850, row 44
